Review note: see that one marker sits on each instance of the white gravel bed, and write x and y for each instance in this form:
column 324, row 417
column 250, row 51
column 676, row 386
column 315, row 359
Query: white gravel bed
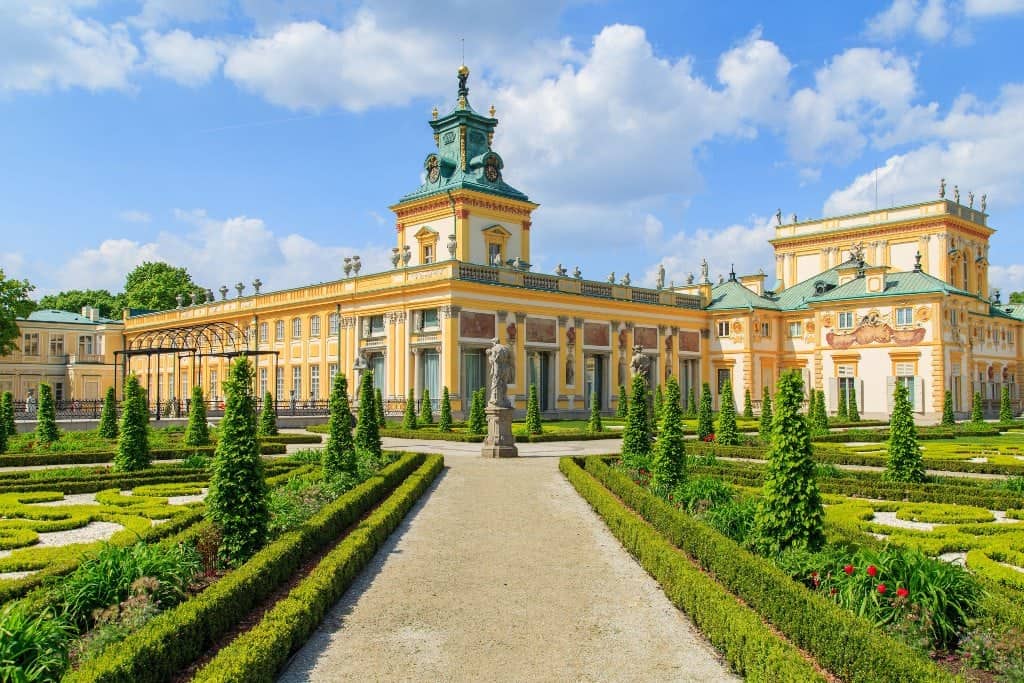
column 1001, row 517
column 959, row 558
column 1013, row 566
column 889, row 519
column 71, row 499
column 185, row 500
column 13, row 576
column 93, row 531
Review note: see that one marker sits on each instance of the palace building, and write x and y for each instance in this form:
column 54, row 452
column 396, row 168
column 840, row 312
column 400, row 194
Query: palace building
column 865, row 301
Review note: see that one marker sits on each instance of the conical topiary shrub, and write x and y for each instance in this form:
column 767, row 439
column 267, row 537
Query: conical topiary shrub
column 977, row 416
column 197, row 433
column 368, row 428
column 426, row 415
column 409, row 417
column 905, row 463
column 636, row 439
column 790, row 513
column 46, row 419
column 108, row 416
column 842, row 412
column 817, row 418
column 268, row 417
column 727, row 434
column 691, row 404
column 594, row 424
column 764, row 428
column 668, row 463
column 659, row 404
column 852, row 412
column 133, row 437
column 748, row 405
column 533, row 425
column 705, row 425
column 445, row 423
column 477, row 417
column 378, row 407
column 948, row 419
column 7, row 413
column 339, row 456
column 622, row 408
column 238, row 500
column 1005, row 409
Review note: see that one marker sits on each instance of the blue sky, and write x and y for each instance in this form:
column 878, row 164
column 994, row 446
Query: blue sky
column 266, row 138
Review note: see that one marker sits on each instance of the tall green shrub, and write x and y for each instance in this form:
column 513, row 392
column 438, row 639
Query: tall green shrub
column 1005, row 409
column 594, row 424
column 691, row 403
column 668, row 464
column 764, row 427
column 977, row 416
column 905, row 463
column 748, row 405
column 198, row 432
column 636, row 439
column 3, row 434
column 46, row 419
column 426, row 408
column 659, row 405
column 727, row 434
column 7, row 413
column 852, row 412
column 108, row 417
column 533, row 425
column 339, row 457
column 409, row 417
column 477, row 417
column 378, row 408
column 368, row 428
column 948, row 418
column 238, row 500
column 842, row 412
column 133, row 437
column 268, row 417
column 790, row 513
column 817, row 417
column 705, row 425
column 445, row 424
column 622, row 408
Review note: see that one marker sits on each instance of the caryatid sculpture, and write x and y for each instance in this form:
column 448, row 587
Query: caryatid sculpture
column 500, row 359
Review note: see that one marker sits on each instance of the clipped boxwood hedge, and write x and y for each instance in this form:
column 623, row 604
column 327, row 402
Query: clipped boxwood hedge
column 841, row 642
column 749, row 645
column 95, row 457
column 292, row 438
column 175, row 638
column 259, row 654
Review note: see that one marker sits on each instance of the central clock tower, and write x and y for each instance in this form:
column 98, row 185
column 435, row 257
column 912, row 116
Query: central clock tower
column 464, row 193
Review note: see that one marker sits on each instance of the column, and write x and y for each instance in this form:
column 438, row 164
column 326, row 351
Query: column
column 417, row 370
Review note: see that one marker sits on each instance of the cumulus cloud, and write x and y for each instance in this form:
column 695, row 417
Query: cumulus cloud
column 1007, row 279
column 182, row 57
column 134, row 216
column 993, row 8
column 743, row 246
column 936, row 20
column 160, row 12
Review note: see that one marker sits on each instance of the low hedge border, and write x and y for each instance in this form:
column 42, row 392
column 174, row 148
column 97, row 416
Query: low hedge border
column 292, row 438
column 99, row 457
column 923, row 434
column 260, row 653
column 464, row 437
column 841, row 642
column 748, row 644
column 175, row 638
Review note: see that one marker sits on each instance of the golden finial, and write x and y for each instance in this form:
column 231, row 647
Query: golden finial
column 463, row 70
column 434, row 113
column 492, row 111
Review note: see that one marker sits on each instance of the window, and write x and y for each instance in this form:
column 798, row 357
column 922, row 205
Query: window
column 905, row 376
column 279, row 330
column 723, row 328
column 795, row 329
column 766, row 330
column 278, row 383
column 314, row 326
column 428, row 253
column 30, row 347
column 376, row 325
column 264, row 332
column 952, row 317
column 846, row 381
column 333, row 324
column 494, row 253
column 58, row 392
column 296, row 328
column 332, row 372
column 56, row 345
column 296, row 381
column 314, row 382
column 85, row 345
column 905, row 315
column 429, row 320
column 213, row 385
column 263, row 383
column 846, row 320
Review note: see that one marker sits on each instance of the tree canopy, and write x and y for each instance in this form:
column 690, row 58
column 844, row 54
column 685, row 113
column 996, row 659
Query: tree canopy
column 74, row 300
column 154, row 285
column 14, row 304
column 1017, row 297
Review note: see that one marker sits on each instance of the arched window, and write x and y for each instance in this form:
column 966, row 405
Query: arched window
column 279, row 330
column 264, row 332
column 296, row 328
column 314, row 326
column 333, row 321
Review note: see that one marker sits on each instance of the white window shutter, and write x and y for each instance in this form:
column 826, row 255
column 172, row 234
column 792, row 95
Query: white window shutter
column 890, row 389
column 919, row 395
column 833, row 394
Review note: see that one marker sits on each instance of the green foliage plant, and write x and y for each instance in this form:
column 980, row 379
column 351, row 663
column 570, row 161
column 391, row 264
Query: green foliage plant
column 426, row 416
column 659, row 404
column 948, row 419
column 108, row 417
column 445, row 423
column 14, row 304
column 477, row 418
column 791, row 512
column 843, row 411
column 339, row 457
column 594, row 424
column 852, row 412
column 33, row 644
column 668, row 463
column 1005, row 408
column 727, row 434
column 977, row 416
column 409, row 416
column 133, row 452
column 533, row 424
column 905, row 462
column 764, row 428
column 197, row 433
column 705, row 426
column 691, row 404
column 237, row 502
column 46, row 419
column 268, row 417
column 622, row 408
column 378, row 407
column 817, row 416
column 748, row 405
column 636, row 438
column 368, row 427
column 7, row 413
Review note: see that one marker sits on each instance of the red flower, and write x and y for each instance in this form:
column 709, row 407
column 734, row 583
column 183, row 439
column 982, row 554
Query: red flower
column 872, row 570
column 848, row 569
column 902, row 592
column 881, row 588
column 832, row 591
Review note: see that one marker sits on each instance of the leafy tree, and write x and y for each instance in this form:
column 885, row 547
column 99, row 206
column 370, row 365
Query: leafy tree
column 636, row 439
column 905, row 463
column 368, row 428
column 445, row 424
column 533, row 425
column 154, row 285
column 409, row 418
column 7, row 413
column 477, row 417
column 748, row 405
column 268, row 417
column 14, row 304
column 74, row 300
column 790, row 513
column 622, row 409
column 948, row 419
column 727, row 434
column 659, row 405
column 843, row 412
column 46, row 419
column 3, row 429
column 691, row 404
column 197, row 433
column 378, row 407
column 594, row 424
column 1017, row 297
column 108, row 417
column 238, row 499
column 339, row 457
column 852, row 413
column 1005, row 409
column 133, row 434
column 764, row 428
column 705, row 426
column 426, row 408
column 977, row 417
column 668, row 465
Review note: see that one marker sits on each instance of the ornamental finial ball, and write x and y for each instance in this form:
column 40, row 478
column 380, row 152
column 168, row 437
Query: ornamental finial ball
column 463, row 70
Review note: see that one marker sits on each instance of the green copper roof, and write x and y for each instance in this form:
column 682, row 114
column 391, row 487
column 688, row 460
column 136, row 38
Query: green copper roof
column 464, row 158
column 732, row 295
column 896, row 284
column 1015, row 311
column 49, row 315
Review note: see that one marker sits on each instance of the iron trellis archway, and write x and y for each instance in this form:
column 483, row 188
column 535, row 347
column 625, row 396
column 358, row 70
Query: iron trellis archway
column 205, row 340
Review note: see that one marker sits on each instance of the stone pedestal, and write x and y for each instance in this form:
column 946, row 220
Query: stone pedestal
column 499, row 442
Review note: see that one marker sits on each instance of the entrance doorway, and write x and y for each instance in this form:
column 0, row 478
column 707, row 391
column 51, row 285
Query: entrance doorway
column 594, row 380
column 540, row 374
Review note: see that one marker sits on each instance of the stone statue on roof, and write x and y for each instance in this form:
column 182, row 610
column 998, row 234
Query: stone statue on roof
column 660, row 283
column 857, row 252
column 956, row 194
column 778, row 217
column 704, row 270
column 984, row 202
column 942, row 188
column 970, row 199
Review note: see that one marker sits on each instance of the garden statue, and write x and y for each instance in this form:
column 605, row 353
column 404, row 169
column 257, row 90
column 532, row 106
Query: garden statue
column 499, row 442
column 500, row 358
column 640, row 364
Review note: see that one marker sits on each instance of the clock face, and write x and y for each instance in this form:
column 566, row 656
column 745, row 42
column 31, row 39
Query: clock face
column 491, row 172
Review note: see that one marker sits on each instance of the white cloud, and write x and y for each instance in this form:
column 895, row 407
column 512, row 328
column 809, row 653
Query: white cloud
column 936, row 20
column 894, row 21
column 45, row 45
column 744, row 247
column 182, row 57
column 933, row 22
column 134, row 216
column 160, row 12
column 992, row 8
column 1006, row 279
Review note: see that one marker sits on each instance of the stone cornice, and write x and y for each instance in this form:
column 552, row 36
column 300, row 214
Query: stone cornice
column 885, row 230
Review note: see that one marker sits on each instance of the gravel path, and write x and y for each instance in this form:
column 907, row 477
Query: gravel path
column 502, row 572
